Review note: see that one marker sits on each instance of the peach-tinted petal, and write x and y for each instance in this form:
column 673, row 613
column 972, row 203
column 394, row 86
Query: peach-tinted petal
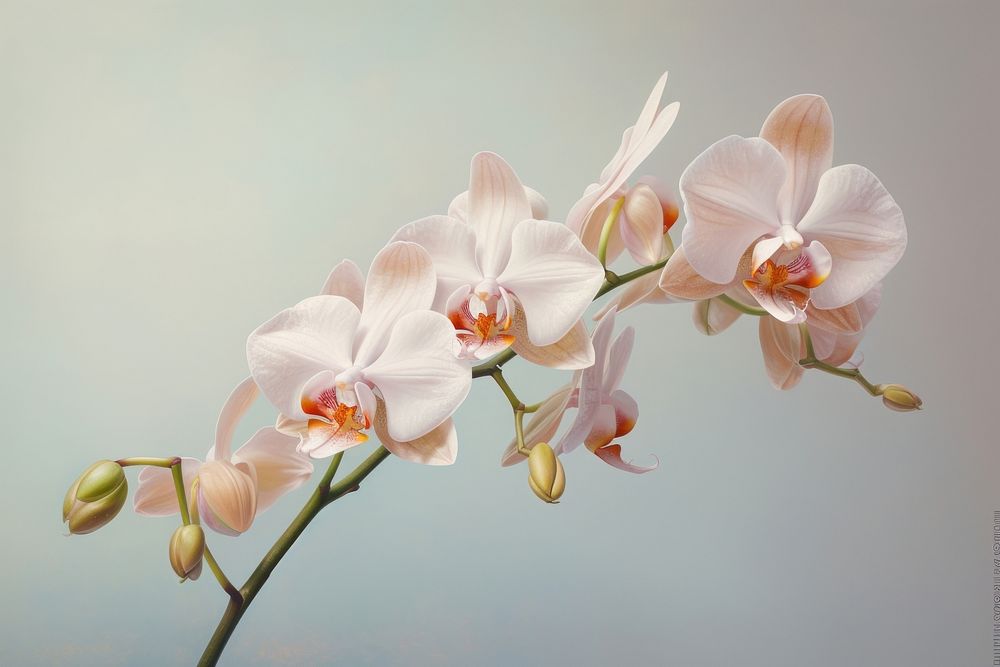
column 801, row 128
column 239, row 401
column 452, row 247
column 781, row 346
column 642, row 224
column 730, row 195
column 459, row 207
column 438, row 447
column 713, row 316
column 612, row 455
column 348, row 281
column 843, row 320
column 626, row 412
column 571, row 352
column 278, row 466
column 542, row 424
column 618, row 356
column 679, row 279
column 590, row 394
column 156, row 494
column 861, row 225
column 227, row 496
column 602, row 427
column 497, row 203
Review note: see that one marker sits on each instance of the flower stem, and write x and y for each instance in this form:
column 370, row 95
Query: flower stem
column 812, row 362
column 742, row 307
column 609, row 225
column 324, row 494
column 149, row 461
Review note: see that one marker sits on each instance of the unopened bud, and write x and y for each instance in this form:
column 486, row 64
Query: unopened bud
column 545, row 473
column 899, row 398
column 187, row 551
column 95, row 498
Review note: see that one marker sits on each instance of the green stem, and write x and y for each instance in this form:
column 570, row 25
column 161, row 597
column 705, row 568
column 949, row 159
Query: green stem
column 742, row 307
column 613, row 281
column 609, row 225
column 148, row 461
column 812, row 362
column 324, row 494
column 178, row 475
column 498, row 377
column 220, row 576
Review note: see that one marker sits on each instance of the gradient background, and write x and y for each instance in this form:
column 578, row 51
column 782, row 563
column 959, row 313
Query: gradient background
column 173, row 173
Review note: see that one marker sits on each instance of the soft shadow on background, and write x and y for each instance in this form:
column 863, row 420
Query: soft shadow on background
column 173, row 173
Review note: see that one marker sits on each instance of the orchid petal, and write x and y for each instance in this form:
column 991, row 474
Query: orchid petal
column 861, row 225
column 278, row 466
column 452, row 246
column 679, row 279
column 590, row 233
column 401, row 280
column 785, row 305
column 156, row 494
column 626, row 412
column 497, row 203
column 843, row 320
column 713, row 316
column 645, row 144
column 618, row 356
column 542, row 424
column 553, row 277
column 239, row 401
column 421, row 380
column 781, row 346
column 438, row 447
column 801, row 128
column 642, row 225
column 730, row 196
column 590, row 395
column 227, row 496
column 346, row 280
column 299, row 342
column 602, row 427
column 612, row 455
column 571, row 352
column 644, row 289
column 459, row 207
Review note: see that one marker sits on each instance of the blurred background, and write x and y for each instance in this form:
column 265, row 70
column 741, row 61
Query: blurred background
column 173, row 173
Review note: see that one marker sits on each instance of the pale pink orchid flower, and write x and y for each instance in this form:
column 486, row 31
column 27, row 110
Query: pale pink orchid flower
column 506, row 279
column 815, row 233
column 603, row 411
column 337, row 365
column 233, row 487
column 648, row 209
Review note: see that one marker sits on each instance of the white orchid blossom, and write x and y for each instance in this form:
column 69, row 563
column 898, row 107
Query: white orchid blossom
column 815, row 233
column 340, row 364
column 604, row 412
column 505, row 278
column 233, row 487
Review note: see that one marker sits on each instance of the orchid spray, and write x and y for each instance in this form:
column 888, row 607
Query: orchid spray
column 772, row 230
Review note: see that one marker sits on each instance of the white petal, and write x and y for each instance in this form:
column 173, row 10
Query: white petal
column 286, row 351
column 419, row 376
column 730, row 195
column 452, row 246
column 553, row 277
column 801, row 128
column 459, row 207
column 497, row 203
column 277, row 464
column 348, row 281
column 621, row 351
column 571, row 352
column 542, row 424
column 642, row 224
column 156, row 494
column 401, row 280
column 439, row 447
column 679, row 279
column 239, row 401
column 861, row 225
column 781, row 345
column 591, row 385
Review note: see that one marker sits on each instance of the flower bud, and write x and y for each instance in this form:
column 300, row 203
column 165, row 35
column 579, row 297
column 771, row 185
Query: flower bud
column 227, row 496
column 187, row 549
column 899, row 398
column 545, row 473
column 95, row 498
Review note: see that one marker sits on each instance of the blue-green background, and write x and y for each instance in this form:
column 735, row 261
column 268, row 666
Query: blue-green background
column 173, row 173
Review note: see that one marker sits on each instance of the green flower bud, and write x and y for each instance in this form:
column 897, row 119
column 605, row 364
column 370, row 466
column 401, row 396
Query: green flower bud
column 545, row 473
column 899, row 398
column 95, row 498
column 187, row 549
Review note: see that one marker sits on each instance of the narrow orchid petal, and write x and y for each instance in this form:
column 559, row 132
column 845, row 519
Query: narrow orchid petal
column 713, row 316
column 679, row 279
column 542, row 424
column 421, row 380
column 239, row 401
column 366, row 401
column 602, row 427
column 452, row 246
column 278, row 466
column 401, row 280
column 647, row 116
column 553, row 277
column 438, row 447
column 571, row 352
column 642, row 225
column 801, row 128
column 590, row 395
column 227, row 496
column 646, row 144
column 781, row 346
column 861, row 225
column 299, row 342
column 621, row 351
column 348, row 281
column 617, row 160
column 730, row 195
column 156, row 494
column 612, row 455
column 497, row 203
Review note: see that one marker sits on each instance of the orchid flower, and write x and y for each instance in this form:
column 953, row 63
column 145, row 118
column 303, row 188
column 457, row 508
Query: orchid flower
column 233, row 487
column 647, row 210
column 819, row 234
column 604, row 412
column 505, row 278
column 338, row 365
